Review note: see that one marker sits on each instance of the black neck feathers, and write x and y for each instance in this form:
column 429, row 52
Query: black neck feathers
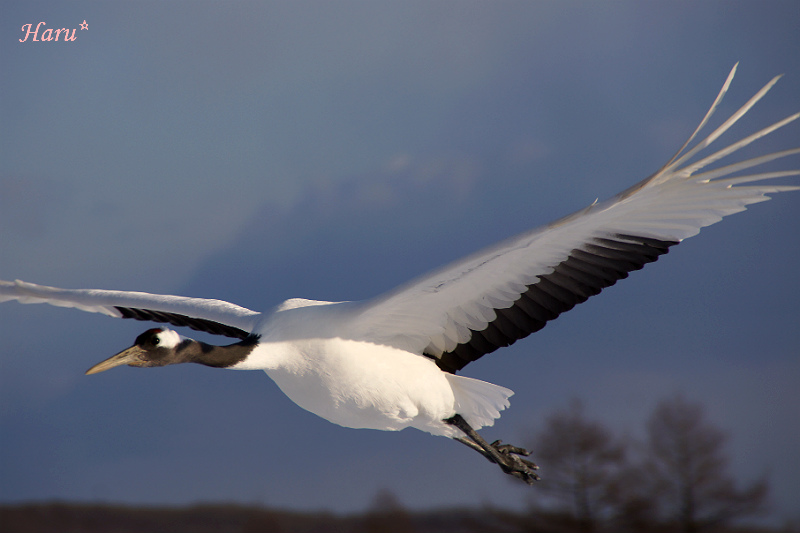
column 191, row 351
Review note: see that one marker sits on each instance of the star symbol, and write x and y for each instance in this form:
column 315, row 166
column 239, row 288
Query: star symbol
column 84, row 26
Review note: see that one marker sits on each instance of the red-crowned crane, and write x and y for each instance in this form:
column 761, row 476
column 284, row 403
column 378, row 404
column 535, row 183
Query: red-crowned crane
column 390, row 362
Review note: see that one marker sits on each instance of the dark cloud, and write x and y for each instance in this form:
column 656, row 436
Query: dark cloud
column 259, row 151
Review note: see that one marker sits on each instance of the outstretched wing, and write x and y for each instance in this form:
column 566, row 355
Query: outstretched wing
column 506, row 292
column 212, row 316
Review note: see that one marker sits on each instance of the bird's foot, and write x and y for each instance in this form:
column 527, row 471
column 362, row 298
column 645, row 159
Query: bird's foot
column 513, row 463
column 509, row 458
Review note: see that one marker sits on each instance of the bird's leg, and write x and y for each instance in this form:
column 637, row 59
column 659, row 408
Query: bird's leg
column 505, row 455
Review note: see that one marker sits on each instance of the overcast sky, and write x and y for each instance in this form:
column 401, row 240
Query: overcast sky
column 254, row 152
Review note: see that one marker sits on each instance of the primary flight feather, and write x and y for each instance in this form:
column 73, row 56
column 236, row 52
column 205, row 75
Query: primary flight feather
column 390, row 362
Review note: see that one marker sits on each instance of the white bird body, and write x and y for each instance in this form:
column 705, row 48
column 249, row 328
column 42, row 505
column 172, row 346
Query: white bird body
column 390, row 362
column 360, row 385
column 309, row 350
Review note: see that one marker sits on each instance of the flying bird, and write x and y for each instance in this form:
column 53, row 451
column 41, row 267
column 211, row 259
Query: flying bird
column 391, row 362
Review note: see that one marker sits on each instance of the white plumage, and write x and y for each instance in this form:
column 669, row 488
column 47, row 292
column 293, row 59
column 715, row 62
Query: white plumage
column 390, row 362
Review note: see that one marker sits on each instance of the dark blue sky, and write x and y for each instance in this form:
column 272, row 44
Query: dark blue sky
column 331, row 150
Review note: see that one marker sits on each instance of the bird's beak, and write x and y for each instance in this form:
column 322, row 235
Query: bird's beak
column 130, row 356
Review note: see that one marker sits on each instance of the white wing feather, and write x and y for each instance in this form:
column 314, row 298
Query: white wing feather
column 107, row 302
column 441, row 310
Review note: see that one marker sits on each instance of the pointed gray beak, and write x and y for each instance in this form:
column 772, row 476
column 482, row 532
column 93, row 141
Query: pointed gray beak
column 130, row 356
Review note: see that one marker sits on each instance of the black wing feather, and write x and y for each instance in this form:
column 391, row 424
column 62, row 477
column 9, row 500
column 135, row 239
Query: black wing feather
column 197, row 324
column 586, row 271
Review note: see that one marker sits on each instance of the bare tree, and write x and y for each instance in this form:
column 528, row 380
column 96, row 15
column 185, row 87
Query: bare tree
column 687, row 465
column 583, row 466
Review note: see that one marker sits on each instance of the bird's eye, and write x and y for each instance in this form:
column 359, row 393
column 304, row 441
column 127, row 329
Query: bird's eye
column 155, row 341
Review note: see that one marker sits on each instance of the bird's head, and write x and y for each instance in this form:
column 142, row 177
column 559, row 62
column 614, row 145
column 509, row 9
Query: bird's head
column 154, row 347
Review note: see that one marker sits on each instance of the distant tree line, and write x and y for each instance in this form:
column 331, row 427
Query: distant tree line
column 677, row 479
